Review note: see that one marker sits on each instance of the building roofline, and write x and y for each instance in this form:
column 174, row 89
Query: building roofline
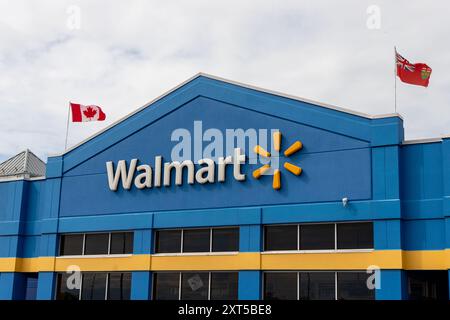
column 248, row 86
column 420, row 141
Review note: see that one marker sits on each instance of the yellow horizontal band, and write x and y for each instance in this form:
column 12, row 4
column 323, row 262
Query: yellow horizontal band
column 384, row 259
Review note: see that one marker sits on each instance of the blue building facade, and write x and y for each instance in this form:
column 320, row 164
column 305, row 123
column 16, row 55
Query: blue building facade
column 366, row 203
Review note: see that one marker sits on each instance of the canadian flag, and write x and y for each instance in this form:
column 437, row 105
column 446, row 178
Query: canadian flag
column 82, row 113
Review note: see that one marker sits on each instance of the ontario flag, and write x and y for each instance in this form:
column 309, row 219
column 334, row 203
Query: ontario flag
column 82, row 113
column 417, row 73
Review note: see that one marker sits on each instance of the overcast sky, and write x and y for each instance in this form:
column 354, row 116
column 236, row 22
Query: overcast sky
column 125, row 53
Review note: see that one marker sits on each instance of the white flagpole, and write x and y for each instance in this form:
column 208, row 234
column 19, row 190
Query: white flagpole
column 395, row 79
column 67, row 127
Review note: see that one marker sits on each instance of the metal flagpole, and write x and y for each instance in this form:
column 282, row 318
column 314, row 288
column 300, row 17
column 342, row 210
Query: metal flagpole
column 67, row 127
column 395, row 79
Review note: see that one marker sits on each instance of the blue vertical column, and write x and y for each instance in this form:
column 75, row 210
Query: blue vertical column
column 12, row 286
column 249, row 281
column 46, row 286
column 393, row 285
column 141, row 281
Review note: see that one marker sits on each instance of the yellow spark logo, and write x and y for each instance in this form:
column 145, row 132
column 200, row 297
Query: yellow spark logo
column 296, row 146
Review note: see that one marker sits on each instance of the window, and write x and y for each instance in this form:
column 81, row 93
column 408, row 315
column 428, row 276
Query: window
column 317, row 237
column 317, row 286
column 280, row 238
column 168, row 241
column 119, row 286
column 31, row 283
column 121, row 243
column 280, row 285
column 196, row 240
column 195, row 285
column 71, row 245
column 355, row 235
column 353, row 286
column 166, row 286
column 93, row 286
column 224, row 286
column 96, row 243
column 225, row 239
column 62, row 290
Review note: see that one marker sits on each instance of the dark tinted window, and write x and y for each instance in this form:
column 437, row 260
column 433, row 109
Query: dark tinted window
column 31, row 282
column 121, row 243
column 168, row 241
column 96, row 243
column 196, row 240
column 166, row 286
column 93, row 286
column 355, row 235
column 119, row 286
column 280, row 286
column 194, row 286
column 280, row 238
column 71, row 245
column 317, row 236
column 62, row 291
column 353, row 286
column 225, row 239
column 317, row 286
column 224, row 286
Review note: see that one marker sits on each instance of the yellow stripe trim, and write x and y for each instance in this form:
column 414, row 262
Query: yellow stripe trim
column 385, row 259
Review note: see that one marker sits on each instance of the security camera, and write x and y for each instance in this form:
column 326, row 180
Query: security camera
column 344, row 201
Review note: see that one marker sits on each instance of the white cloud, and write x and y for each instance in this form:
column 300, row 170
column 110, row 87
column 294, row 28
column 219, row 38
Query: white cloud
column 126, row 53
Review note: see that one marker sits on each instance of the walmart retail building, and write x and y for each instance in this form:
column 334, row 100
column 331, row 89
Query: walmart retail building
column 225, row 234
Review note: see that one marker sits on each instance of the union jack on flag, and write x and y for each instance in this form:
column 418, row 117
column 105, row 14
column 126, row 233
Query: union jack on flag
column 412, row 73
column 403, row 63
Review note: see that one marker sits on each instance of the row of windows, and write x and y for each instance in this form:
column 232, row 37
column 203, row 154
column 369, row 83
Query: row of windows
column 94, row 286
column 317, row 286
column 96, row 244
column 197, row 240
column 195, row 286
column 329, row 236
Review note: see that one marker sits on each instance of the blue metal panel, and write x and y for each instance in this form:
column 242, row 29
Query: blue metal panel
column 250, row 238
column 249, row 285
column 29, row 246
column 141, row 285
column 105, row 223
column 423, row 234
column 393, row 285
column 421, row 171
column 46, row 286
column 334, row 211
column 200, row 218
column 143, row 242
column 12, row 286
column 387, row 234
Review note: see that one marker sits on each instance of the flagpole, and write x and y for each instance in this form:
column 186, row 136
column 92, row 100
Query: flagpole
column 395, row 79
column 67, row 126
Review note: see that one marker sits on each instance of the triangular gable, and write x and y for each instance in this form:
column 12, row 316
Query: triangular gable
column 378, row 130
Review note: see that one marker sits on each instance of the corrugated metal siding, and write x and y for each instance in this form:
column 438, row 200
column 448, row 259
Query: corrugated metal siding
column 25, row 163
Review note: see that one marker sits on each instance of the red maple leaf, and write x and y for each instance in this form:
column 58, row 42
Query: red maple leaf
column 89, row 112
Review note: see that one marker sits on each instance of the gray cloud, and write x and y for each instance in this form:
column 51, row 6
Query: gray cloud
column 127, row 53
